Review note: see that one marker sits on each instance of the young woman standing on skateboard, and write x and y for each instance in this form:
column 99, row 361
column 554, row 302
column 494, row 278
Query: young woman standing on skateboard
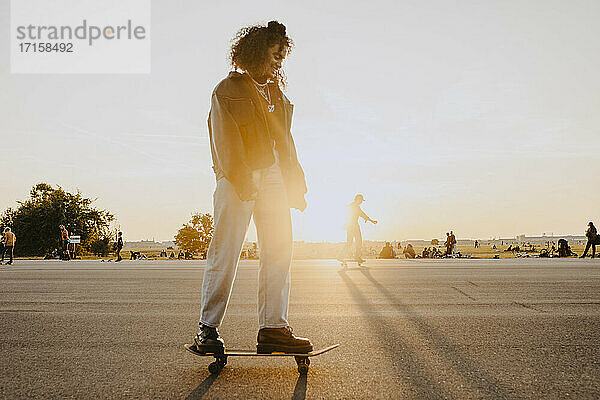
column 258, row 175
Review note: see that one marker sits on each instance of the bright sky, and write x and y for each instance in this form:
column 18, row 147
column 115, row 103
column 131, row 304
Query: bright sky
column 481, row 117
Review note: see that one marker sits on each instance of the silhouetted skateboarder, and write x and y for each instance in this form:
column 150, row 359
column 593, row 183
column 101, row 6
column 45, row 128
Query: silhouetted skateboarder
column 258, row 175
column 353, row 233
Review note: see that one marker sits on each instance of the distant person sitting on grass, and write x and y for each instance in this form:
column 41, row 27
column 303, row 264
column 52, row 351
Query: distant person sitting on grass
column 163, row 253
column 53, row 255
column 409, row 251
column 592, row 240
column 564, row 250
column 8, row 240
column 387, row 251
column 180, row 256
column 137, row 255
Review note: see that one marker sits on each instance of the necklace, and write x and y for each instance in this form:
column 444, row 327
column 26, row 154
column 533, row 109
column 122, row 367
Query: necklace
column 265, row 92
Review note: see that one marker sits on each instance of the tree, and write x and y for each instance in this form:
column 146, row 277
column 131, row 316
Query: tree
column 99, row 245
column 195, row 236
column 36, row 220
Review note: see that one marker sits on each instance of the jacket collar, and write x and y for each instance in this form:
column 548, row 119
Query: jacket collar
column 247, row 79
column 257, row 101
column 234, row 74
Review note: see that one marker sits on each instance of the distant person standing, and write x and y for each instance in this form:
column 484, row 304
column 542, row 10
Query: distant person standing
column 353, row 233
column 476, row 244
column 9, row 243
column 452, row 243
column 592, row 238
column 64, row 240
column 119, row 245
column 448, row 244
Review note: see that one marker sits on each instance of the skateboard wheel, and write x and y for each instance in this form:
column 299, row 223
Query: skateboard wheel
column 214, row 367
column 303, row 369
column 302, row 360
column 303, row 363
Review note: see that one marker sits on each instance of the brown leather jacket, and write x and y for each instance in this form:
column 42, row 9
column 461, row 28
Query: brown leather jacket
column 240, row 140
column 591, row 232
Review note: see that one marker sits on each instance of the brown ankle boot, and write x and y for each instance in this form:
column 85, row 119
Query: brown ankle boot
column 281, row 340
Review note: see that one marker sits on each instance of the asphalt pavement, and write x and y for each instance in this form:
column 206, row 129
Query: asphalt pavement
column 409, row 329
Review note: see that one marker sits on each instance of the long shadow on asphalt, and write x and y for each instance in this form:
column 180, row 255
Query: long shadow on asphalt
column 300, row 389
column 430, row 387
column 459, row 362
column 201, row 390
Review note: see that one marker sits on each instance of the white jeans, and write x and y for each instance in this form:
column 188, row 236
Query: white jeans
column 353, row 234
column 274, row 228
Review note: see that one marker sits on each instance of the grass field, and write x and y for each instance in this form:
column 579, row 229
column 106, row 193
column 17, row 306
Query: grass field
column 331, row 251
column 304, row 250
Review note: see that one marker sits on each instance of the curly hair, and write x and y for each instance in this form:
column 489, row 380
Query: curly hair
column 250, row 46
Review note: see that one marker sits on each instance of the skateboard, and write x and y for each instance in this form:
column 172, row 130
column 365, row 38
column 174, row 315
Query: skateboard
column 302, row 359
column 345, row 262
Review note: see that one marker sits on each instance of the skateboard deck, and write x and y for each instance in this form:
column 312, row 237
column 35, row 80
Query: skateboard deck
column 302, row 359
column 346, row 261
